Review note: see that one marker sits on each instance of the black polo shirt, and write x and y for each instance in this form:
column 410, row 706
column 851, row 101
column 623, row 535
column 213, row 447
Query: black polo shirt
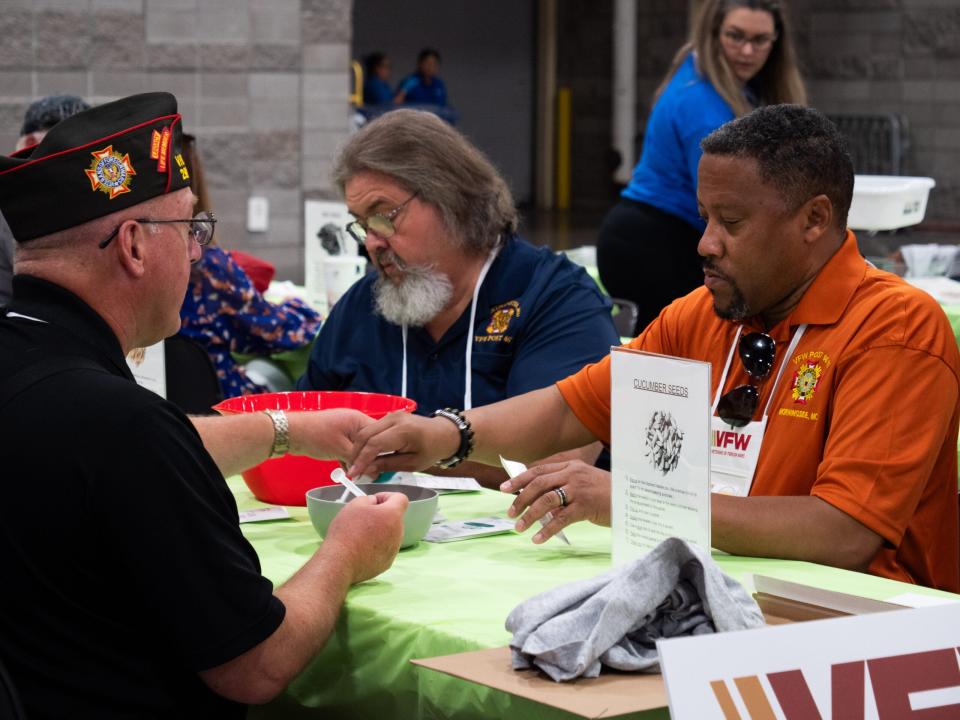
column 124, row 569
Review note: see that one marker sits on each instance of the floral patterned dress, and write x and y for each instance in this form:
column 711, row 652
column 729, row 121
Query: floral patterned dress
column 226, row 314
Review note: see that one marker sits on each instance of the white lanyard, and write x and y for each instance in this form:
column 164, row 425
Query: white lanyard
column 783, row 364
column 468, row 374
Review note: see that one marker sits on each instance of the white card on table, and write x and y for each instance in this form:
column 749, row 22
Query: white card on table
column 264, row 513
column 463, row 529
column 434, row 482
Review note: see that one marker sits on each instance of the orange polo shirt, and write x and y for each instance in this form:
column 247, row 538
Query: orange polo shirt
column 865, row 416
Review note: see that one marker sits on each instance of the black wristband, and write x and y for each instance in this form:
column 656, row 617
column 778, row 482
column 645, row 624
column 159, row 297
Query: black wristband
column 466, row 437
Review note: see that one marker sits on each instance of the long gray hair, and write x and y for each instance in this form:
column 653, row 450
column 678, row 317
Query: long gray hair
column 425, row 155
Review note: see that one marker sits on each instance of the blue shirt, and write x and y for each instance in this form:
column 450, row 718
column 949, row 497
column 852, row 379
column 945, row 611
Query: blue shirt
column 419, row 92
column 687, row 111
column 376, row 91
column 539, row 319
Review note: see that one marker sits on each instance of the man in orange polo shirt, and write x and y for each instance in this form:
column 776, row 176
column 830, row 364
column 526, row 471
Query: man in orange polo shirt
column 858, row 466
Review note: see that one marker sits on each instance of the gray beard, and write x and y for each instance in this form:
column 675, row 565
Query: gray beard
column 418, row 298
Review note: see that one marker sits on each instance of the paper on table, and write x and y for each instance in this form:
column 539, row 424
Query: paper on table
column 434, row 482
column 463, row 529
column 264, row 513
column 513, row 469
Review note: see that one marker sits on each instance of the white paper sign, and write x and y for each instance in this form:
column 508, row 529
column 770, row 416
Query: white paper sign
column 660, row 432
column 325, row 236
column 883, row 665
column 149, row 368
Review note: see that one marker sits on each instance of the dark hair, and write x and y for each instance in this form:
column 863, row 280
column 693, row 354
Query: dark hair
column 372, row 61
column 46, row 112
column 798, row 151
column 425, row 155
column 428, row 52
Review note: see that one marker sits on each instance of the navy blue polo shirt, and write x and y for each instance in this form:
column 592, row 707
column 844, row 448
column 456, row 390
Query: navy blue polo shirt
column 539, row 319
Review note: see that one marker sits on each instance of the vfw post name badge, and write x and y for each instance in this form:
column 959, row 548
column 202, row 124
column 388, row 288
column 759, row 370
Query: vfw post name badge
column 660, row 442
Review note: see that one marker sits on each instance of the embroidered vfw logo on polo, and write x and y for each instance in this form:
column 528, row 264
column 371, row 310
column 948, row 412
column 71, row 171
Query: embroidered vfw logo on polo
column 500, row 319
column 805, row 379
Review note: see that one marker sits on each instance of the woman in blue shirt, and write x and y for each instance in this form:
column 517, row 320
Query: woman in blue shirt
column 739, row 56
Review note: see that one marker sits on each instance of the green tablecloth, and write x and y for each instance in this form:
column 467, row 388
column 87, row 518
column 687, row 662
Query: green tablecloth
column 439, row 599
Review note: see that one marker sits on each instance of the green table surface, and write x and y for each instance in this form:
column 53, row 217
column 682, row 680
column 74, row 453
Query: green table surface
column 439, row 599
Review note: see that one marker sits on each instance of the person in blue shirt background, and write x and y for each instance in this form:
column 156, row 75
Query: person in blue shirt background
column 424, row 86
column 460, row 312
column 376, row 84
column 739, row 55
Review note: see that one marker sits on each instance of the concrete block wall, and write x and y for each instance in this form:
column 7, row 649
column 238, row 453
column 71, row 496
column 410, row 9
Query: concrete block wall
column 893, row 56
column 263, row 84
column 858, row 56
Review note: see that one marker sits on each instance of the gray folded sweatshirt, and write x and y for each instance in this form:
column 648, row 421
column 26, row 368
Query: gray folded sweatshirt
column 616, row 618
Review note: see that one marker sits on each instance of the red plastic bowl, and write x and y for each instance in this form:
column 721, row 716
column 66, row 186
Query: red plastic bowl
column 285, row 480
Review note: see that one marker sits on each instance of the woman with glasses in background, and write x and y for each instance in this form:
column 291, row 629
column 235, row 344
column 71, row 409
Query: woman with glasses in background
column 225, row 312
column 739, row 56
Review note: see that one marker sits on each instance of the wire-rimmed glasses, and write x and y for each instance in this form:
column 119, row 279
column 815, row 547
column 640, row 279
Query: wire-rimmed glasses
column 381, row 224
column 201, row 228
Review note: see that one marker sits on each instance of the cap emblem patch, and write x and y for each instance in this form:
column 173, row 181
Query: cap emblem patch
column 110, row 172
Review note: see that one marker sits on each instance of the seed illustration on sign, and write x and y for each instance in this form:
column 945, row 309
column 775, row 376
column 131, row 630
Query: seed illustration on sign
column 663, row 442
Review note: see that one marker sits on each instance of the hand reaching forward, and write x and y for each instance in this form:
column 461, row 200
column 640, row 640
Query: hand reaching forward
column 326, row 434
column 402, row 441
column 584, row 495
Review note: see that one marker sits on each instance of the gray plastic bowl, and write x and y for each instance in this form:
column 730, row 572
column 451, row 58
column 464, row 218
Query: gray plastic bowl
column 323, row 503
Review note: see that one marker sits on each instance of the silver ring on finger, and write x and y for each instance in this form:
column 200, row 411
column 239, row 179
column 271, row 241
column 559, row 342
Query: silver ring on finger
column 561, row 493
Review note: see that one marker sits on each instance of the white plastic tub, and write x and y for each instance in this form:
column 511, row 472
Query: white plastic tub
column 888, row 202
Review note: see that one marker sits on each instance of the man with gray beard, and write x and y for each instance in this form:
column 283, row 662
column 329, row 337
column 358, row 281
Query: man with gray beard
column 460, row 312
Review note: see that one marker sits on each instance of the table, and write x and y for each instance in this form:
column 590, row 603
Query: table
column 439, row 599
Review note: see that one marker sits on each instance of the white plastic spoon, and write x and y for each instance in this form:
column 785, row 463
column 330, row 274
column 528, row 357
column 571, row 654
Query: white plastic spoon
column 339, row 476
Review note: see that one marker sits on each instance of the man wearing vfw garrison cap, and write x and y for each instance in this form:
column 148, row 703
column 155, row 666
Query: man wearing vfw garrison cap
column 129, row 590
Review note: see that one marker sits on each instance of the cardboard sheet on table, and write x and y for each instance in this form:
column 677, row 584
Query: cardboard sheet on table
column 610, row 695
column 614, row 694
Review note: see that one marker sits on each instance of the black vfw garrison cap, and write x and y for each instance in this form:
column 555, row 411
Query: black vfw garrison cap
column 95, row 163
